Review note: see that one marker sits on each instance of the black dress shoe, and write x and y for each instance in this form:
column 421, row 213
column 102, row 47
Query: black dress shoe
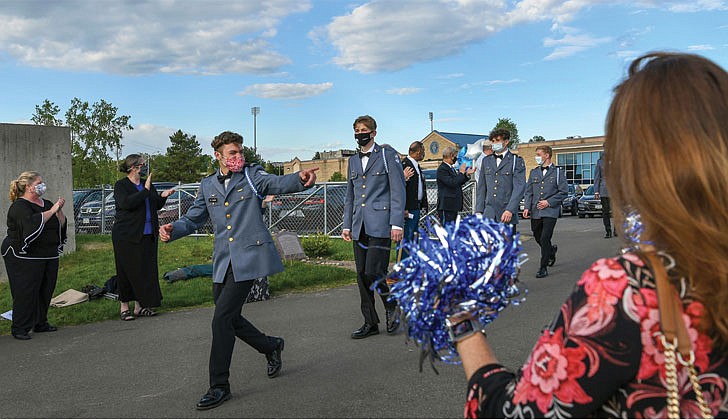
column 46, row 328
column 608, row 235
column 552, row 258
column 21, row 336
column 542, row 273
column 365, row 331
column 275, row 363
column 213, row 398
column 392, row 319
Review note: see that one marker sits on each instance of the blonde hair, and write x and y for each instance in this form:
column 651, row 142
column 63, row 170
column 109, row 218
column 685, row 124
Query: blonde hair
column 670, row 103
column 18, row 186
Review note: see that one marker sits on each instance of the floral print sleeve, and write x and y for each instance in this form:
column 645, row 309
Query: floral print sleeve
column 577, row 364
column 600, row 357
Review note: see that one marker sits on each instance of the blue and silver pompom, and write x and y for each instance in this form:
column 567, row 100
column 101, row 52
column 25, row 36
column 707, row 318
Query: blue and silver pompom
column 473, row 259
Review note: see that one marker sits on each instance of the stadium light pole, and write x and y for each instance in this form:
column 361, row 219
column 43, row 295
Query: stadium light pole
column 432, row 127
column 255, row 111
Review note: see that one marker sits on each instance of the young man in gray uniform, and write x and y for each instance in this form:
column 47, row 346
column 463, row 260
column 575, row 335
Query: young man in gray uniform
column 502, row 181
column 243, row 251
column 373, row 218
column 601, row 194
column 545, row 190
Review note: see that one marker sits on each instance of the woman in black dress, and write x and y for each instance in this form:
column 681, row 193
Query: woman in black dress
column 36, row 234
column 134, row 236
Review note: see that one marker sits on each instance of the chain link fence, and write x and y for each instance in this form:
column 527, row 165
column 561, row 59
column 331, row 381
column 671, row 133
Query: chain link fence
column 317, row 210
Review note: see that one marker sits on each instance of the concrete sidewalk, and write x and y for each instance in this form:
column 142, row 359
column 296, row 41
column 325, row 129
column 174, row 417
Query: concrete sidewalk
column 157, row 367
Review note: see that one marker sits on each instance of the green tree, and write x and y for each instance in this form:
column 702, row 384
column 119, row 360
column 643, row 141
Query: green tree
column 96, row 133
column 46, row 114
column 251, row 156
column 536, row 139
column 184, row 161
column 511, row 126
column 337, row 177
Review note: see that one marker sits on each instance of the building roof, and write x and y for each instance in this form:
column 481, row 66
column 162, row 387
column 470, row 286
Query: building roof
column 462, row 139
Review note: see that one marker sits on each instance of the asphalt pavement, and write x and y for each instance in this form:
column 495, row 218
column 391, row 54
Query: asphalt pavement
column 157, row 367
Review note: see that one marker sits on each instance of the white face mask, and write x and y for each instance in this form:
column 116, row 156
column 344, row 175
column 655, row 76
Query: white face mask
column 539, row 160
column 497, row 147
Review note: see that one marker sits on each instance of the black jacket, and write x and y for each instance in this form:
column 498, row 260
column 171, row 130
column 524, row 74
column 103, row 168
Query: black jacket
column 412, row 188
column 450, row 188
column 131, row 210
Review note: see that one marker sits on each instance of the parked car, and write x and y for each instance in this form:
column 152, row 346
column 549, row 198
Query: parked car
column 304, row 211
column 588, row 205
column 89, row 218
column 570, row 205
column 176, row 205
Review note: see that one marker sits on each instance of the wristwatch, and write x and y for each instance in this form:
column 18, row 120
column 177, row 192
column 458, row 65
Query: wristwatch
column 464, row 323
column 462, row 329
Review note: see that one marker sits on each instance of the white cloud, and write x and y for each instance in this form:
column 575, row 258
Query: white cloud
column 149, row 138
column 701, row 47
column 490, row 83
column 571, row 44
column 451, row 76
column 142, row 37
column 404, row 91
column 286, row 90
column 696, row 6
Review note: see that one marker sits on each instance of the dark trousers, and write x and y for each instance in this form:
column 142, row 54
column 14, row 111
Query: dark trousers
column 32, row 283
column 371, row 256
column 606, row 212
column 543, row 230
column 228, row 323
column 410, row 227
column 447, row 216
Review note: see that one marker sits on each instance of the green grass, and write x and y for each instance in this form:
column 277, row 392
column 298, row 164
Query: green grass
column 344, row 251
column 93, row 263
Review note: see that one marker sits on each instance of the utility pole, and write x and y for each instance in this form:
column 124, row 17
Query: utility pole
column 255, row 111
column 432, row 127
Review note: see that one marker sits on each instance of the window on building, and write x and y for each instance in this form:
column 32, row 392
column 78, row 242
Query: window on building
column 580, row 167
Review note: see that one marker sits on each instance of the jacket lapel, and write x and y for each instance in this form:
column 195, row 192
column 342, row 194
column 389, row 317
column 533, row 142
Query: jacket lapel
column 506, row 157
column 373, row 158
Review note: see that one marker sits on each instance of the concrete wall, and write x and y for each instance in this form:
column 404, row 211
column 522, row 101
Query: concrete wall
column 43, row 149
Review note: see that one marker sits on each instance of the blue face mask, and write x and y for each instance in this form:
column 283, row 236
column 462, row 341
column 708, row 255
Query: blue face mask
column 40, row 189
column 497, row 147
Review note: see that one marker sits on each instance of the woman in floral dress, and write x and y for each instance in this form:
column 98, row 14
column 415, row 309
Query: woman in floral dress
column 667, row 160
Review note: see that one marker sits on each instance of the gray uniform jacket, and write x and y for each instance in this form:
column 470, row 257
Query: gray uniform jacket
column 551, row 187
column 241, row 236
column 375, row 197
column 501, row 187
column 600, row 185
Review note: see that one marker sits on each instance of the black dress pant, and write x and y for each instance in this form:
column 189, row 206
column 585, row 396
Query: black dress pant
column 606, row 212
column 228, row 323
column 32, row 282
column 447, row 216
column 543, row 230
column 371, row 256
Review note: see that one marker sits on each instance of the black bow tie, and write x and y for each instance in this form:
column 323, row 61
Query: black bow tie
column 498, row 156
column 362, row 154
column 222, row 178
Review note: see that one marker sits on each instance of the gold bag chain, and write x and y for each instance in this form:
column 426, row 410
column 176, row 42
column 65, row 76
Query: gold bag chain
column 676, row 341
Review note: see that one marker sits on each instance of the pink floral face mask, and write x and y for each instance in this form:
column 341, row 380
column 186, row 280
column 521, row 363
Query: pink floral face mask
column 235, row 163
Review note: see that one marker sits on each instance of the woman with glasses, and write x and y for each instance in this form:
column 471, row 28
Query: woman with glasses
column 134, row 236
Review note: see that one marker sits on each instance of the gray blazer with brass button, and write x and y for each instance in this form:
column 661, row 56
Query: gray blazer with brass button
column 375, row 197
column 501, row 187
column 241, row 236
column 551, row 187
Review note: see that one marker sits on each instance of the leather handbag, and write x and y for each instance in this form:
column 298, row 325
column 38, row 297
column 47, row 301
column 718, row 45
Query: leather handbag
column 676, row 342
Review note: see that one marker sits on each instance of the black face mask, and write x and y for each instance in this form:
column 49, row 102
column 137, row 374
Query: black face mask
column 144, row 170
column 363, row 138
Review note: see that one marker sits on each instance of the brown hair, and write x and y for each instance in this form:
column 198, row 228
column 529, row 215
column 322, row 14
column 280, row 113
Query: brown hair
column 227, row 137
column 499, row 132
column 546, row 149
column 129, row 162
column 18, row 186
column 367, row 121
column 675, row 102
column 416, row 146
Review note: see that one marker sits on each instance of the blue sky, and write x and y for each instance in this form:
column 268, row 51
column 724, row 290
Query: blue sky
column 313, row 66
